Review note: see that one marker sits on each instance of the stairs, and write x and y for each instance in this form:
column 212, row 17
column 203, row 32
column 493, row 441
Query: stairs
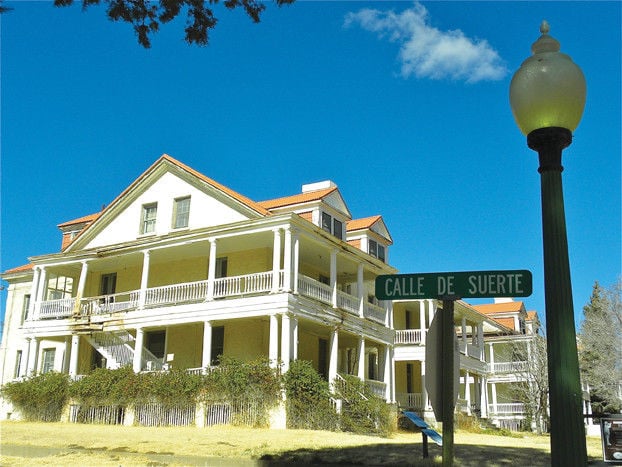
column 118, row 349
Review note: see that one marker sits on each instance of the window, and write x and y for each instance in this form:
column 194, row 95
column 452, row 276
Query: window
column 322, row 361
column 59, row 287
column 181, row 212
column 25, row 307
column 338, row 229
column 108, row 284
column 48, row 360
column 326, row 222
column 148, row 220
column 218, row 344
column 376, row 250
column 221, row 267
column 331, row 225
column 155, row 343
column 18, row 364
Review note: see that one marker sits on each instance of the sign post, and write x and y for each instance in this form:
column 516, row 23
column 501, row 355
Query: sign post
column 449, row 287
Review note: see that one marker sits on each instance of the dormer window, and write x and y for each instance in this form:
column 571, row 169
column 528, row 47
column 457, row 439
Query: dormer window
column 332, row 225
column 148, row 218
column 376, row 250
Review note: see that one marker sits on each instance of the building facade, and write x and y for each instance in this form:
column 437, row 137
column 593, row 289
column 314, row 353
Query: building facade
column 179, row 270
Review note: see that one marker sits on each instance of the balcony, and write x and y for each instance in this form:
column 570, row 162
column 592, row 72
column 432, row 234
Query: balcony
column 409, row 336
column 199, row 291
column 508, row 367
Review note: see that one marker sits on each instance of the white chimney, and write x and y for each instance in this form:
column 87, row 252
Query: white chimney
column 318, row 186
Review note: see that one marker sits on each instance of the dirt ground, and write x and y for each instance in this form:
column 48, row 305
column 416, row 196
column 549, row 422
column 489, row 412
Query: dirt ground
column 62, row 444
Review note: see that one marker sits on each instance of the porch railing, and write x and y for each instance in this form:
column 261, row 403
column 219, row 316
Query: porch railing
column 508, row 367
column 60, row 308
column 513, row 408
column 408, row 336
column 412, row 400
column 190, row 292
column 377, row 387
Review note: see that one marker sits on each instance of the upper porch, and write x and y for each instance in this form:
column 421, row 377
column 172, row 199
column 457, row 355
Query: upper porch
column 287, row 254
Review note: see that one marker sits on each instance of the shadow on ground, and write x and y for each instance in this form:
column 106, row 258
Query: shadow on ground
column 409, row 455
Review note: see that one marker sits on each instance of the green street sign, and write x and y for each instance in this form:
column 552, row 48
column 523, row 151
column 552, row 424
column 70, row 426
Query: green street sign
column 474, row 284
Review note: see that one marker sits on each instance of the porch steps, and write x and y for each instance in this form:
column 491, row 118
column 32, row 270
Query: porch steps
column 118, row 349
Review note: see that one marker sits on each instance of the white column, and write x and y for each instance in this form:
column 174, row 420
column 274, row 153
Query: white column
column 66, row 355
column 464, row 335
column 361, row 358
column 273, row 350
column 467, row 391
column 138, row 350
column 334, row 347
column 483, row 404
column 491, row 353
column 431, row 310
column 493, row 388
column 26, row 363
column 476, row 391
column 422, row 325
column 41, row 291
column 81, row 286
column 286, row 334
column 387, row 372
column 359, row 290
column 480, row 341
column 211, row 269
column 296, row 260
column 333, row 275
column 73, row 361
column 206, row 358
column 424, row 391
column 295, row 338
column 287, row 261
column 144, row 279
column 34, row 292
column 34, row 356
column 276, row 260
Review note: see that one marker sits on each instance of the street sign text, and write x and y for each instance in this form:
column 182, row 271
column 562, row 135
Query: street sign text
column 474, row 284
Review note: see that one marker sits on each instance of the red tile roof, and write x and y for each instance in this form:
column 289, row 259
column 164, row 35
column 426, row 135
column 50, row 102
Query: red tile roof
column 297, row 199
column 25, row 267
column 80, row 220
column 504, row 307
column 360, row 224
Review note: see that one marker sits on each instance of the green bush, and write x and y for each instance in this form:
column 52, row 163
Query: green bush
column 362, row 411
column 308, row 398
column 40, row 398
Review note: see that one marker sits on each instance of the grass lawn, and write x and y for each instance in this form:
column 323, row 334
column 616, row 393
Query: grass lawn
column 64, row 444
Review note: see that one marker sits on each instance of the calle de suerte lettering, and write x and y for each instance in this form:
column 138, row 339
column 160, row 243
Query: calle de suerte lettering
column 474, row 284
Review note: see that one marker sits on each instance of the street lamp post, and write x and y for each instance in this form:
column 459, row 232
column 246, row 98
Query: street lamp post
column 547, row 96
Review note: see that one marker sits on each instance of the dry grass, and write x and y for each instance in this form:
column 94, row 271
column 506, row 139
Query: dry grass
column 96, row 445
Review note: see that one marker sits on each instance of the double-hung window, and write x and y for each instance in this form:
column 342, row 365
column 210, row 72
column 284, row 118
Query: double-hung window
column 181, row 212
column 376, row 250
column 148, row 218
column 332, row 225
column 48, row 360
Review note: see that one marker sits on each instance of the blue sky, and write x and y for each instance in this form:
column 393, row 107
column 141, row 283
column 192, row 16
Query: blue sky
column 404, row 105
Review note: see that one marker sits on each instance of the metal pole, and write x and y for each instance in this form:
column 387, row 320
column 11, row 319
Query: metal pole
column 565, row 395
column 447, row 385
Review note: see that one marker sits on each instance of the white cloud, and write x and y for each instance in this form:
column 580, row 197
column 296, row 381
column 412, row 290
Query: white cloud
column 427, row 52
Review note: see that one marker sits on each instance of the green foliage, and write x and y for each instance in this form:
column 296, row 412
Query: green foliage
column 146, row 16
column 103, row 387
column 308, row 398
column 363, row 411
column 600, row 353
column 243, row 381
column 40, row 398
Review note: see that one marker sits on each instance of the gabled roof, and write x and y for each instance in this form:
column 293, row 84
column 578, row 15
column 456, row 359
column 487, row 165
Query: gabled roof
column 80, row 220
column 23, row 268
column 504, row 307
column 367, row 223
column 162, row 161
column 301, row 198
column 361, row 224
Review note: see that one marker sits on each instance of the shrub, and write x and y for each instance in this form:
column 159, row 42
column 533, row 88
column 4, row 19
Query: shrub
column 308, row 398
column 362, row 411
column 40, row 398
